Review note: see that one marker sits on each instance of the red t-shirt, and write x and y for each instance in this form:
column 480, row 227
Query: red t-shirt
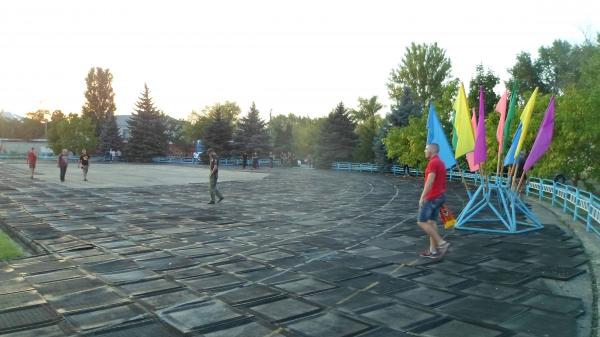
column 31, row 158
column 438, row 188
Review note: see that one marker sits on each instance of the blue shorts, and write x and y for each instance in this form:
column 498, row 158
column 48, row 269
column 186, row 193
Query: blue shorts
column 431, row 208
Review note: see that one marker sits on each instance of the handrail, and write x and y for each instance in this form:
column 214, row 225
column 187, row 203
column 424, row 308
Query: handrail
column 582, row 205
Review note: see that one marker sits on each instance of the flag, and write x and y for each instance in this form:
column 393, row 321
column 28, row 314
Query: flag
column 543, row 138
column 454, row 135
column 512, row 111
column 501, row 109
column 435, row 134
column 464, row 131
column 525, row 120
column 469, row 156
column 480, row 153
column 510, row 156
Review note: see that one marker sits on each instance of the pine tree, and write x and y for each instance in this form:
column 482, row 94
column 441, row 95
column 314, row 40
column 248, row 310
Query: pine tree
column 406, row 105
column 110, row 137
column 336, row 138
column 148, row 130
column 99, row 96
column 251, row 134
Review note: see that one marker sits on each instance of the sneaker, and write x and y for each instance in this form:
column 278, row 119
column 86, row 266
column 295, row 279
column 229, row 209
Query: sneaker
column 221, row 199
column 444, row 248
column 211, row 202
column 430, row 255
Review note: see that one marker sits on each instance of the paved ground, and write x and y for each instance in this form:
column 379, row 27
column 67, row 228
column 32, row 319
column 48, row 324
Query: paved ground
column 297, row 253
column 127, row 175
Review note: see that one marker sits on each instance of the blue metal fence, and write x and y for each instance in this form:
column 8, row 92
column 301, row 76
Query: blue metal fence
column 582, row 205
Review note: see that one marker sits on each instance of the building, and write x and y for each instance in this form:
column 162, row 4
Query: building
column 123, row 126
column 10, row 146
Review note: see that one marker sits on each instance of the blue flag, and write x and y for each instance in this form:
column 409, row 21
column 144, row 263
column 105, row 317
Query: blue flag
column 435, row 134
column 510, row 156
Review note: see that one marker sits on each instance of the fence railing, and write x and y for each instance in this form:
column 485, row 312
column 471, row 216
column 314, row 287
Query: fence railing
column 223, row 162
column 580, row 204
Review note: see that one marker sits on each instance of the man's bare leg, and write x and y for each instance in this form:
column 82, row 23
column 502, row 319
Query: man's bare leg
column 435, row 240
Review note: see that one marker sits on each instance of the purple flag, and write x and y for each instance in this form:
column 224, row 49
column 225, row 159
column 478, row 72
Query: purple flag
column 543, row 138
column 480, row 153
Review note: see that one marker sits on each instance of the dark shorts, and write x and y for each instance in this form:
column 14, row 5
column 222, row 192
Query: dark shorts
column 431, row 209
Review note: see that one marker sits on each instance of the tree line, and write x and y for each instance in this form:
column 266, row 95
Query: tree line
column 366, row 132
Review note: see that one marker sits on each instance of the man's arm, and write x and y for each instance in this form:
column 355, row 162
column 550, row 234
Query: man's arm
column 428, row 184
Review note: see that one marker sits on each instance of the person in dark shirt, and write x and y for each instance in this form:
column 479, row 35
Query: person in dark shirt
column 244, row 160
column 214, row 176
column 63, row 162
column 84, row 163
column 432, row 199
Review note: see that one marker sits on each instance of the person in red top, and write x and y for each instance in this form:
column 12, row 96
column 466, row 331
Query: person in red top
column 432, row 198
column 31, row 160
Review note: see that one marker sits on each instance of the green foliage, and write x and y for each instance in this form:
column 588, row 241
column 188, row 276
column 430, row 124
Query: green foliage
column 148, row 130
column 407, row 105
column 488, row 80
column 176, row 135
column 251, row 134
column 365, row 116
column 296, row 134
column 71, row 132
column 99, row 99
column 336, row 138
column 425, row 69
column 110, row 138
column 219, row 121
column 8, row 249
column 406, row 144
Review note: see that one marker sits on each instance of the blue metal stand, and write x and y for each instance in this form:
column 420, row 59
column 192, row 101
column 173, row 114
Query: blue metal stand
column 509, row 214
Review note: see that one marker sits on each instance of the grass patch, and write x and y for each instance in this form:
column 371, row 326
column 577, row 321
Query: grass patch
column 8, row 249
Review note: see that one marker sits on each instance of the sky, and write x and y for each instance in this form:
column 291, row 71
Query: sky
column 299, row 57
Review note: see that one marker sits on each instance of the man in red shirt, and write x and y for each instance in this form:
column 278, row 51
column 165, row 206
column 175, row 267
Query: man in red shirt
column 432, row 198
column 31, row 160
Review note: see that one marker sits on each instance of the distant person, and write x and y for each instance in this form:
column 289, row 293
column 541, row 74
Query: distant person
column 244, row 160
column 255, row 161
column 194, row 157
column 31, row 160
column 119, row 155
column 214, row 176
column 112, row 155
column 432, row 199
column 63, row 162
column 84, row 163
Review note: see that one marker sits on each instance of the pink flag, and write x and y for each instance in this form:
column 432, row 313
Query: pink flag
column 543, row 138
column 501, row 108
column 470, row 160
column 480, row 146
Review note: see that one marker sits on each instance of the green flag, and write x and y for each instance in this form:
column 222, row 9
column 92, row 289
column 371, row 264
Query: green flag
column 512, row 111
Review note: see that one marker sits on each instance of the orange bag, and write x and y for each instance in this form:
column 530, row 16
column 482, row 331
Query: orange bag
column 447, row 217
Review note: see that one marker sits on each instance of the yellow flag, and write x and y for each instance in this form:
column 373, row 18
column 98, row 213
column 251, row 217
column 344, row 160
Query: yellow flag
column 525, row 119
column 462, row 125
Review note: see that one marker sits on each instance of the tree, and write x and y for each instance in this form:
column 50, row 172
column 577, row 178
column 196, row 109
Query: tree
column 251, row 134
column 32, row 126
column 100, row 98
column 176, row 135
column 336, row 138
column 526, row 73
column 218, row 130
column 488, row 80
column 425, row 69
column 406, row 144
column 367, row 124
column 148, row 130
column 406, row 105
column 110, row 137
column 71, row 132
